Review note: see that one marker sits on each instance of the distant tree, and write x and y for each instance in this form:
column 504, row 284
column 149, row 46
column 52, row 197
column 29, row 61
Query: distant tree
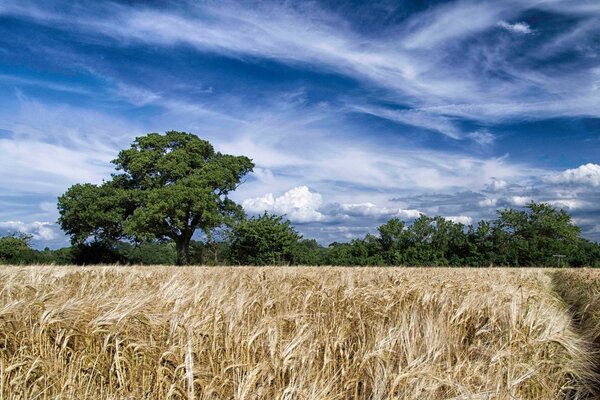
column 308, row 252
column 62, row 256
column 393, row 239
column 340, row 254
column 481, row 245
column 15, row 249
column 169, row 186
column 264, row 240
column 366, row 251
column 455, row 243
column 536, row 234
column 420, row 250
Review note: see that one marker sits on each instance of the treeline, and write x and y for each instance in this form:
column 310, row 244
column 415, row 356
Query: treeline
column 539, row 235
column 166, row 188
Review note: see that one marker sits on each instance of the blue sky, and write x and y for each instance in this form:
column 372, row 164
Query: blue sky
column 353, row 112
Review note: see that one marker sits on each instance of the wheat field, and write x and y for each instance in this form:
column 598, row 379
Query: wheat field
column 287, row 333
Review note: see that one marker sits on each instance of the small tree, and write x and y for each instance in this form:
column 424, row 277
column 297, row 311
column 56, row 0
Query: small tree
column 15, row 249
column 263, row 240
column 169, row 186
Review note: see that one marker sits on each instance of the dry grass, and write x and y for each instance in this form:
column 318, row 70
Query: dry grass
column 580, row 289
column 285, row 333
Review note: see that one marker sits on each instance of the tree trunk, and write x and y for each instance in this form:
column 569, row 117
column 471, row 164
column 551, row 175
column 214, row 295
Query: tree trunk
column 182, row 245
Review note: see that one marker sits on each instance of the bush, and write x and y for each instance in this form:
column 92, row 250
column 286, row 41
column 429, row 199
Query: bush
column 15, row 249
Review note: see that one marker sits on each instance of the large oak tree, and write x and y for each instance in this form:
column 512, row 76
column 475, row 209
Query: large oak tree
column 167, row 187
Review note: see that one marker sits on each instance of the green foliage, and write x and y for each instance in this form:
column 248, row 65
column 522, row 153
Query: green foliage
column 529, row 237
column 168, row 187
column 148, row 253
column 263, row 240
column 309, row 252
column 481, row 244
column 15, row 249
column 393, row 238
column 63, row 256
column 365, row 251
column 91, row 211
column 533, row 236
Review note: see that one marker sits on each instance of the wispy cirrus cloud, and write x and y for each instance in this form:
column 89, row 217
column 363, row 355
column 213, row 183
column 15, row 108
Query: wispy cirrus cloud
column 311, row 35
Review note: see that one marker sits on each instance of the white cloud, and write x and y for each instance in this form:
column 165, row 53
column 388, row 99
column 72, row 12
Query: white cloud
column 519, row 201
column 497, row 185
column 136, row 95
column 408, row 214
column 482, row 137
column 290, row 141
column 369, row 209
column 422, row 119
column 363, row 209
column 569, row 204
column 302, row 205
column 521, row 28
column 488, row 202
column 55, row 146
column 587, row 175
column 39, row 230
column 451, row 21
column 424, row 80
column 460, row 219
column 38, row 167
column 298, row 204
column 397, row 62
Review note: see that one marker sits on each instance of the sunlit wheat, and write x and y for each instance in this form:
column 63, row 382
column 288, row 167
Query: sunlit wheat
column 285, row 333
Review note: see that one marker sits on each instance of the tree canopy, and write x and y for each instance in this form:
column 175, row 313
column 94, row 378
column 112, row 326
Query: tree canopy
column 264, row 240
column 167, row 187
column 532, row 236
column 15, row 248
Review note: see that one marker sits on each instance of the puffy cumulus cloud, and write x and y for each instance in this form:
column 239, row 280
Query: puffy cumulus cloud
column 408, row 214
column 356, row 218
column 460, row 219
column 301, row 205
column 298, row 204
column 39, row 230
column 521, row 28
column 519, row 201
column 587, row 175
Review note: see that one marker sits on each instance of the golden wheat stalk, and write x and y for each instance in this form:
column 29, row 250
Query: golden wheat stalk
column 289, row 333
